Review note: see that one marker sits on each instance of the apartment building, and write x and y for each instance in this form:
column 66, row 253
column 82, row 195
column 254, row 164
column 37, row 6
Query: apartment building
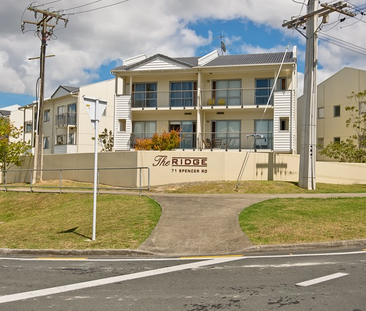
column 332, row 100
column 66, row 124
column 217, row 102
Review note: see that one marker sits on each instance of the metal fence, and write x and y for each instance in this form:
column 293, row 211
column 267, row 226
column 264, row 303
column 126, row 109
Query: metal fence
column 64, row 179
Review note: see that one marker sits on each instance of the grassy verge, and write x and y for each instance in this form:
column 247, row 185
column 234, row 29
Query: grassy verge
column 64, row 221
column 286, row 221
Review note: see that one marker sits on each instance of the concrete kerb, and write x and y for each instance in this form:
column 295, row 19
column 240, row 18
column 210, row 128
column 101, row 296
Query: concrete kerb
column 141, row 254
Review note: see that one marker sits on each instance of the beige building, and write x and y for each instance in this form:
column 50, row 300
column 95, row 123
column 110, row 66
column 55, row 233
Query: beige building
column 332, row 101
column 227, row 102
column 66, row 124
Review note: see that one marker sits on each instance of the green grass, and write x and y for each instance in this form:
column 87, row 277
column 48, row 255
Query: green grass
column 246, row 187
column 286, row 221
column 64, row 221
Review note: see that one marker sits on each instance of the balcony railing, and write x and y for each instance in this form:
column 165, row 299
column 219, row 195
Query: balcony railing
column 66, row 119
column 153, row 99
column 236, row 97
column 219, row 140
column 209, row 98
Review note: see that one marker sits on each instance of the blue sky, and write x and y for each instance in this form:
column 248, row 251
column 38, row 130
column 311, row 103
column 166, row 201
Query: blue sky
column 92, row 45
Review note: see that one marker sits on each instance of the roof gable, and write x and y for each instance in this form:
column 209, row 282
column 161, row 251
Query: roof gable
column 63, row 90
column 157, row 62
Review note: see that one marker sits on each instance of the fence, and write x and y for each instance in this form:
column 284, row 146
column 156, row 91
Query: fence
column 109, row 179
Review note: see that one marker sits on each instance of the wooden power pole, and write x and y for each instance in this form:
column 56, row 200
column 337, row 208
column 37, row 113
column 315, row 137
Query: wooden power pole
column 308, row 130
column 45, row 26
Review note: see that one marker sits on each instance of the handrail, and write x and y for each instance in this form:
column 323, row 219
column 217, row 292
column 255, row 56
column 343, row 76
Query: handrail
column 61, row 186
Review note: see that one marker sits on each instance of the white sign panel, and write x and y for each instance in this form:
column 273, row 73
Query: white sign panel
column 95, row 107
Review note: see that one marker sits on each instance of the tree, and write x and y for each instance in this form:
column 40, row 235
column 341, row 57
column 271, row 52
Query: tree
column 354, row 148
column 106, row 139
column 165, row 141
column 12, row 149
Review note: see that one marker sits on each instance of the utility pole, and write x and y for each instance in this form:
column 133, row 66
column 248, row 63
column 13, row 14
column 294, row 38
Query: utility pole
column 45, row 26
column 308, row 130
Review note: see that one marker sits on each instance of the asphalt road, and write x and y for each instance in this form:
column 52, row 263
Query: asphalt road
column 307, row 281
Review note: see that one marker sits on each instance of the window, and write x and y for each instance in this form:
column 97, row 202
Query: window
column 320, row 144
column 144, row 95
column 263, row 130
column 284, row 124
column 71, row 140
column 104, row 112
column 143, row 129
column 227, row 92
column 60, row 116
column 28, row 126
column 187, row 131
column 71, row 114
column 46, row 116
column 46, row 142
column 226, row 134
column 362, row 107
column 321, row 113
column 336, row 111
column 60, row 139
column 263, row 88
column 183, row 94
column 122, row 125
column 337, row 140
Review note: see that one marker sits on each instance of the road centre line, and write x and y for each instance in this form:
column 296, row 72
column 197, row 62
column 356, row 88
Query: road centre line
column 321, row 279
column 111, row 280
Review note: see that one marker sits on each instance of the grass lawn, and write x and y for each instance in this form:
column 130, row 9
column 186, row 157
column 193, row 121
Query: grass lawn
column 64, row 221
column 286, row 221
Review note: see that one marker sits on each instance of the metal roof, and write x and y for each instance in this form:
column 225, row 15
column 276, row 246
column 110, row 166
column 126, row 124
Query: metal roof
column 250, row 59
column 221, row 61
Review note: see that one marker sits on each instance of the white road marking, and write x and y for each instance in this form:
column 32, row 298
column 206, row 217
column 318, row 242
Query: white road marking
column 116, row 279
column 322, row 279
column 290, row 265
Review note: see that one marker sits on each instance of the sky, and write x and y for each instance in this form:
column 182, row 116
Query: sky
column 97, row 39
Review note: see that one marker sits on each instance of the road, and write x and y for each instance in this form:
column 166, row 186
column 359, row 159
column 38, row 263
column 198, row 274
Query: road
column 308, row 281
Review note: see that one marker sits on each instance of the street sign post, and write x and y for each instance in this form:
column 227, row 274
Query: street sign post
column 95, row 108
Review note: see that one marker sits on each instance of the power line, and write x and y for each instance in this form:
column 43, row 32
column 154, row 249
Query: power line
column 99, row 8
column 83, row 5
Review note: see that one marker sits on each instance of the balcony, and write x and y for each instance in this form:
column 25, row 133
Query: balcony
column 168, row 100
column 210, row 99
column 66, row 119
column 219, row 140
column 227, row 98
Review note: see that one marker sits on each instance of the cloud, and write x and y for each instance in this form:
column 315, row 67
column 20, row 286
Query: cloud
column 143, row 26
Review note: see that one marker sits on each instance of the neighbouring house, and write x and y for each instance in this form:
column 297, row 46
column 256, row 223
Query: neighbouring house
column 66, row 124
column 331, row 103
column 217, row 102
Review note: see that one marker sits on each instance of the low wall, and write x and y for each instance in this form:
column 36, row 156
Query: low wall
column 167, row 167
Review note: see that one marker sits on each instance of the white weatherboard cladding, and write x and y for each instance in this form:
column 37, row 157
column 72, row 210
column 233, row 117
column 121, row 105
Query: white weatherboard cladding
column 65, row 149
column 160, row 64
column 284, row 107
column 122, row 111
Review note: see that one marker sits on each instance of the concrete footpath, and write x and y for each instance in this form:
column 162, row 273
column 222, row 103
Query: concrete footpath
column 208, row 224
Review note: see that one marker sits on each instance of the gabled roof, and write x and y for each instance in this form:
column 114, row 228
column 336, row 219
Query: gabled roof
column 220, row 61
column 4, row 113
column 149, row 59
column 64, row 90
